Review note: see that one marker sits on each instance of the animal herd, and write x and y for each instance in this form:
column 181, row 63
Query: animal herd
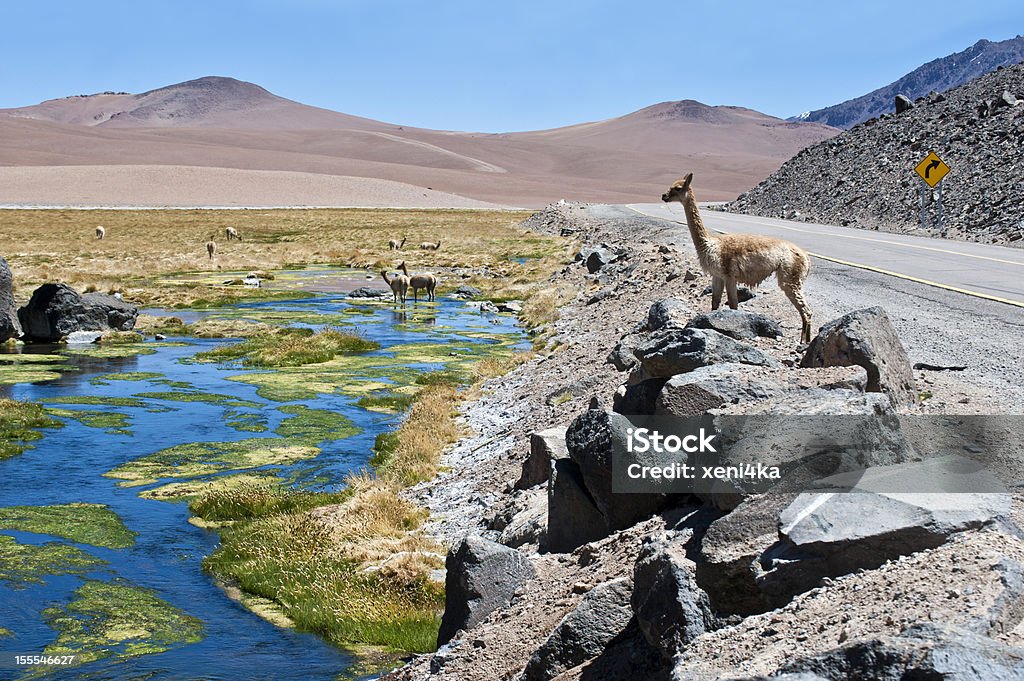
column 396, row 245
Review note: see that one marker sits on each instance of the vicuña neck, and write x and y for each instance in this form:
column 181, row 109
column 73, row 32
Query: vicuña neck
column 699, row 233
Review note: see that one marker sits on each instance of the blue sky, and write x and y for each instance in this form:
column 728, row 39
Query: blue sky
column 478, row 65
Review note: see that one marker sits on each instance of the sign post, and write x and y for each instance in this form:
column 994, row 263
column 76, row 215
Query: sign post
column 931, row 169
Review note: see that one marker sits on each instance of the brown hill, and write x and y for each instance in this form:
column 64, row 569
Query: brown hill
column 218, row 122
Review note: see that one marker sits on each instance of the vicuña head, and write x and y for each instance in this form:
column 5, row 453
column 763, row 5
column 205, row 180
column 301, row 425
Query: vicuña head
column 678, row 189
column 744, row 258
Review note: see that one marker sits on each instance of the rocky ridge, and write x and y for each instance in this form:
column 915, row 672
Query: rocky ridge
column 865, row 177
column 745, row 589
column 937, row 75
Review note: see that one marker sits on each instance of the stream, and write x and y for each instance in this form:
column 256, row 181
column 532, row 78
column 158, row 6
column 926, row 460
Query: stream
column 132, row 405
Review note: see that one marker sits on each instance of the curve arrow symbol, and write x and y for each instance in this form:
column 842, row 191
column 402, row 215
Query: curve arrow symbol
column 928, row 170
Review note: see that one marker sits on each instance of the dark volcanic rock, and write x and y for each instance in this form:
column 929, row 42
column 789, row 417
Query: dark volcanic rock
column 546, row 446
column 573, row 518
column 590, row 440
column 639, row 398
column 9, row 326
column 583, row 634
column 737, row 324
column 671, row 610
column 714, row 386
column 56, row 310
column 597, row 259
column 903, row 103
column 676, row 351
column 481, row 577
column 866, row 338
column 368, row 292
column 924, row 651
column 668, row 313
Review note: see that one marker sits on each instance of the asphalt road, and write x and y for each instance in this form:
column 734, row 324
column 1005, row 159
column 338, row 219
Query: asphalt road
column 983, row 270
column 938, row 324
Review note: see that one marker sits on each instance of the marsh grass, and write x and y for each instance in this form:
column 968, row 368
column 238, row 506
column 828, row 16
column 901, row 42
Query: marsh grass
column 143, row 248
column 290, row 348
column 250, row 500
column 20, row 423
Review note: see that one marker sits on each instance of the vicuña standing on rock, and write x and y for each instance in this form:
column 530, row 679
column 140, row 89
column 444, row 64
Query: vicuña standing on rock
column 399, row 285
column 428, row 282
column 744, row 258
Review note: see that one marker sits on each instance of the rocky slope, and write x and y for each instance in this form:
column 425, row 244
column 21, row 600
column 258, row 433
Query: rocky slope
column 865, row 177
column 937, row 75
column 618, row 586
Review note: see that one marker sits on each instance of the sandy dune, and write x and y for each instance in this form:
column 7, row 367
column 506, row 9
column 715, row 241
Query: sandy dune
column 225, row 123
column 195, row 186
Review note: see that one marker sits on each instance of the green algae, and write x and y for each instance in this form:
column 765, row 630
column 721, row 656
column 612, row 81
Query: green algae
column 208, row 398
column 312, row 426
column 119, row 620
column 119, row 351
column 285, row 317
column 115, row 423
column 31, row 368
column 190, row 489
column 93, row 524
column 197, row 459
column 290, row 348
column 22, row 564
column 95, row 400
column 245, row 422
column 19, row 426
column 126, row 376
column 5, row 633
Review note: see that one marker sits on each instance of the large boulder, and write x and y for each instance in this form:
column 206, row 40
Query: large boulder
column 670, row 609
column 573, row 518
column 806, row 435
column 9, row 326
column 597, row 259
column 675, row 351
column 714, row 386
column 903, row 103
column 57, row 310
column 545, row 447
column 923, row 651
column 482, row 576
column 591, row 440
column 877, row 515
column 584, row 633
column 668, row 313
column 638, row 399
column 737, row 324
column 527, row 519
column 866, row 338
column 728, row 565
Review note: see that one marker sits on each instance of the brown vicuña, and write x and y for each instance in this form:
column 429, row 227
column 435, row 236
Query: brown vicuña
column 399, row 285
column 428, row 282
column 744, row 258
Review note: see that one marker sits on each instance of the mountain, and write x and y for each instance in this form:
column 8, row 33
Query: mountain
column 865, row 176
column 217, row 122
column 938, row 75
column 209, row 102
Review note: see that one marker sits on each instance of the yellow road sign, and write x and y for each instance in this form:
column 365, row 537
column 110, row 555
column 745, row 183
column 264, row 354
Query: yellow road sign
column 932, row 169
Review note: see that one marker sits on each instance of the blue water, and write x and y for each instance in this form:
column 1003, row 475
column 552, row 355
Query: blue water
column 66, row 466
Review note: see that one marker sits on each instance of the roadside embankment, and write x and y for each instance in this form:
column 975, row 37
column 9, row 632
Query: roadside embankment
column 551, row 575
